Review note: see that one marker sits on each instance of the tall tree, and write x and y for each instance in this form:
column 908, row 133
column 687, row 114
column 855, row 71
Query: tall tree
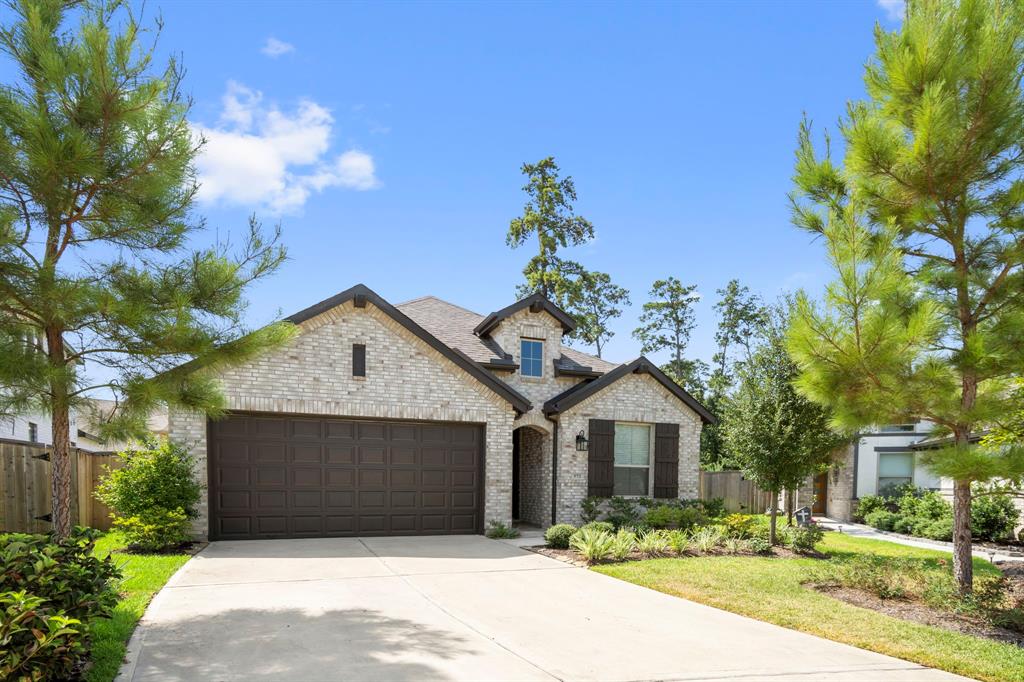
column 924, row 222
column 665, row 324
column 594, row 300
column 548, row 216
column 96, row 187
column 777, row 436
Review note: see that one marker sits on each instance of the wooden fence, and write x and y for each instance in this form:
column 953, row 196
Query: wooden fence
column 25, row 487
column 740, row 495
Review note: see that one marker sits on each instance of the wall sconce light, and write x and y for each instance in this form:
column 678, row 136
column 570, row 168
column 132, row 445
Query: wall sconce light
column 581, row 442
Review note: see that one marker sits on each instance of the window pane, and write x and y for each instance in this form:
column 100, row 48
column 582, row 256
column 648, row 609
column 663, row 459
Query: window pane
column 531, row 358
column 895, row 465
column 632, row 444
column 890, row 428
column 631, row 480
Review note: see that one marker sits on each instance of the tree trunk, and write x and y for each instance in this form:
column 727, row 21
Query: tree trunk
column 60, row 482
column 963, row 567
column 775, row 512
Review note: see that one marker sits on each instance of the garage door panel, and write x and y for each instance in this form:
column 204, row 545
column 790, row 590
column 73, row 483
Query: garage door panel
column 305, row 476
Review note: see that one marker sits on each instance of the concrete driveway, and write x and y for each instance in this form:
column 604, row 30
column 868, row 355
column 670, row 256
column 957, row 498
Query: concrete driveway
column 455, row 608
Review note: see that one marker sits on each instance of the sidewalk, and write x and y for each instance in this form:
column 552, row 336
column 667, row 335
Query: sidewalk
column 862, row 531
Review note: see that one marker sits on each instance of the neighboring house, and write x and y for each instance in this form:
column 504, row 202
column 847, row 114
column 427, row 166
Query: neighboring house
column 881, row 457
column 427, row 418
column 86, row 435
column 32, row 428
column 36, row 427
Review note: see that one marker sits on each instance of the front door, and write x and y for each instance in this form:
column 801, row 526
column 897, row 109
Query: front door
column 820, row 494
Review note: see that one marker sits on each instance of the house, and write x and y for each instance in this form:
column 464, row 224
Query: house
column 427, row 418
column 885, row 456
column 35, row 427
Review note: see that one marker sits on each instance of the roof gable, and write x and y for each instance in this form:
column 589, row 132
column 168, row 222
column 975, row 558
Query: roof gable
column 580, row 392
column 360, row 295
column 536, row 303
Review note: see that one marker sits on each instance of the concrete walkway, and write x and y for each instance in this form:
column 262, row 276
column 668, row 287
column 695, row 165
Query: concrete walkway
column 455, row 608
column 862, row 531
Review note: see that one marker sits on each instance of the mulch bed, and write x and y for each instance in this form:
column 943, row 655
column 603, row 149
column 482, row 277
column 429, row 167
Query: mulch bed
column 572, row 557
column 919, row 613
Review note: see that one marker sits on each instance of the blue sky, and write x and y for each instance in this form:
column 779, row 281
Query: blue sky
column 387, row 138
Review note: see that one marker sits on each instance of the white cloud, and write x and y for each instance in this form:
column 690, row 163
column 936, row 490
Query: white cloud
column 259, row 155
column 894, row 9
column 275, row 48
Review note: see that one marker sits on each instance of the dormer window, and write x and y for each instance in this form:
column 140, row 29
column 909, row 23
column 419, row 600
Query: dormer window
column 531, row 360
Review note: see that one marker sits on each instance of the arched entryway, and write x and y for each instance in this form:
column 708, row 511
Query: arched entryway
column 531, row 476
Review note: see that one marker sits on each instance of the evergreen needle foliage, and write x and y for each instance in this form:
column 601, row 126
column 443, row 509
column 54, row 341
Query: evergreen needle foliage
column 98, row 287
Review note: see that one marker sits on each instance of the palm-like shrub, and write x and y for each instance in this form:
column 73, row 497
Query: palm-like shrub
column 624, row 543
column 593, row 544
column 708, row 538
column 654, row 543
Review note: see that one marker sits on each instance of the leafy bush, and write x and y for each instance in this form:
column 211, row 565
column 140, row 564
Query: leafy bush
column 623, row 511
column 654, row 543
column 993, row 516
column 868, row 504
column 36, row 642
column 707, row 538
column 713, row 508
column 802, row 539
column 881, row 519
column 590, row 508
column 603, row 526
column 498, row 530
column 735, row 545
column 159, row 475
column 904, row 524
column 937, row 530
column 64, row 573
column 623, row 544
column 558, row 536
column 156, row 528
column 739, row 525
column 664, row 516
column 691, row 517
column 592, row 543
column 678, row 541
column 759, row 545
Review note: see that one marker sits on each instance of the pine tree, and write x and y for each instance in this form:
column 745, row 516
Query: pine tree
column 96, row 188
column 924, row 224
column 548, row 216
column 666, row 323
column 594, row 300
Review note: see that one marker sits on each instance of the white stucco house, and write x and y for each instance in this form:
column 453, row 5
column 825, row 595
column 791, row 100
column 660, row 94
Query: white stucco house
column 427, row 418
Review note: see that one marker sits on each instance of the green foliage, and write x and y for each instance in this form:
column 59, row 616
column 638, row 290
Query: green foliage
column 594, row 301
column 156, row 476
column 868, row 504
column 155, row 528
column 623, row 511
column 666, row 516
column 603, row 526
column 993, row 516
column 37, row 642
column 708, row 538
column 760, row 545
column 940, row 529
column 666, row 322
column 654, row 543
column 558, row 535
column 592, row 543
column 739, row 525
column 548, row 216
column 881, row 519
column 64, row 572
column 590, row 508
column 498, row 530
column 802, row 539
column 624, row 542
column 678, row 541
column 713, row 508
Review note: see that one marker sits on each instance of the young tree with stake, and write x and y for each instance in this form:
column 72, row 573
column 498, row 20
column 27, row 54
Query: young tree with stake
column 96, row 188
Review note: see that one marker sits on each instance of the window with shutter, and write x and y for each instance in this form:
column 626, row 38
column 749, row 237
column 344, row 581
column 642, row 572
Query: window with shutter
column 632, row 459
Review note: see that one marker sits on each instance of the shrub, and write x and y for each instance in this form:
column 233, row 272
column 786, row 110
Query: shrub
column 739, row 525
column 759, row 545
column 592, row 543
column 602, row 526
column 691, row 517
column 558, row 536
column 993, row 516
column 654, row 543
column 904, row 524
column 159, row 475
column 36, row 642
column 708, row 538
column 678, row 541
column 868, row 504
column 156, row 528
column 881, row 519
column 498, row 530
column 663, row 516
column 713, row 508
column 64, row 573
column 802, row 539
column 735, row 545
column 623, row 544
column 590, row 508
column 623, row 511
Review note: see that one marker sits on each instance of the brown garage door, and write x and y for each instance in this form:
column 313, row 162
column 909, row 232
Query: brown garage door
column 296, row 476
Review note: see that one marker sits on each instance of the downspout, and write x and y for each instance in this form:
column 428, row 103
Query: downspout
column 554, row 470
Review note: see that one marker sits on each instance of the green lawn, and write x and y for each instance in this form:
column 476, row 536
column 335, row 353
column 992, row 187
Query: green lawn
column 144, row 575
column 769, row 589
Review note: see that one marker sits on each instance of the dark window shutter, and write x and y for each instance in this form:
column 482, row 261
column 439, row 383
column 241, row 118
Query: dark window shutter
column 666, row 460
column 358, row 360
column 601, row 458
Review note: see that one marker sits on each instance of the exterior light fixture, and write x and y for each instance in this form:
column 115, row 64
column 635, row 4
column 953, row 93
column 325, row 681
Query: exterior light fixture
column 581, row 442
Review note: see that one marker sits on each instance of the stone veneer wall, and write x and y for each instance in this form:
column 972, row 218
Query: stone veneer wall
column 534, row 476
column 543, row 327
column 405, row 379
column 635, row 398
column 840, row 486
